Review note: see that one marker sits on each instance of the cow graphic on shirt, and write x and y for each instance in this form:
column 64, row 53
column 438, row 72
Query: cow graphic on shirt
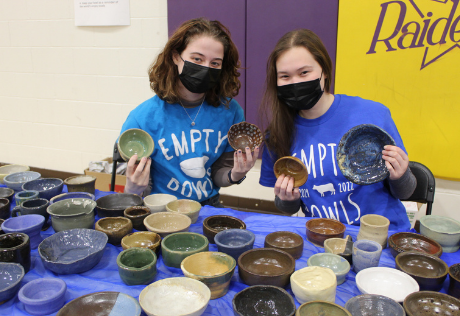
column 325, row 188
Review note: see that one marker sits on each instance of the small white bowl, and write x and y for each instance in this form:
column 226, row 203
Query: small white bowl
column 388, row 282
column 157, row 202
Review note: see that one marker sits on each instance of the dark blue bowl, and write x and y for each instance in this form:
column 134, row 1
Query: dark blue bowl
column 359, row 154
column 30, row 224
column 234, row 242
column 47, row 188
column 11, row 275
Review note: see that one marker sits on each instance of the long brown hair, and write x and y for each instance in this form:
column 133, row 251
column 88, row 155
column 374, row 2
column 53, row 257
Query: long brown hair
column 163, row 73
column 280, row 131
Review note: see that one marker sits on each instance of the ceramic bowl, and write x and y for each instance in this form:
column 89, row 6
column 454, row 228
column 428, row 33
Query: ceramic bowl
column 47, row 188
column 340, row 246
column 366, row 254
column 431, row 303
column 157, row 202
column 72, row 251
column 320, row 229
column 115, row 228
column 9, row 169
column 263, row 300
column 72, row 195
column 27, row 224
column 137, row 266
column 135, row 141
column 114, row 205
column 81, row 183
column 359, row 154
column 293, row 167
column 374, row 227
column 314, row 284
column 287, row 241
column 266, row 266
column 25, row 195
column 15, row 247
column 167, row 223
column 336, row 263
column 7, row 193
column 11, row 275
column 4, row 208
column 234, row 242
column 175, row 296
column 72, row 213
column 176, row 247
column 401, row 242
column 429, row 271
column 43, row 296
column 443, row 229
column 454, row 280
column 137, row 214
column 148, row 240
column 1, row 222
column 374, row 305
column 386, row 281
column 320, row 308
column 187, row 207
column 16, row 180
column 244, row 134
column 217, row 223
column 102, row 304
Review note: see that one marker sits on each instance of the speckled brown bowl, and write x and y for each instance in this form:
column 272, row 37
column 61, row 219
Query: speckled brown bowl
column 244, row 135
column 431, row 303
column 293, row 167
column 115, row 228
column 137, row 214
column 81, row 183
column 401, row 242
column 217, row 223
column 148, row 240
column 287, row 241
column 320, row 229
column 454, row 280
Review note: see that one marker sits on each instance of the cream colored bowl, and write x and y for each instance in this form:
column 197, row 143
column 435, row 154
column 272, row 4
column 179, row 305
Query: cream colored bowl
column 314, row 284
column 157, row 202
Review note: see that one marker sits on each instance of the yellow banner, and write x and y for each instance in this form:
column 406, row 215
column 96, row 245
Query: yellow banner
column 406, row 55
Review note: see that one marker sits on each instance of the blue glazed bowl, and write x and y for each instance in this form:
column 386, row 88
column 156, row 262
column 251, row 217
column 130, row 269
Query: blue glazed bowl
column 336, row 263
column 359, row 154
column 375, row 305
column 28, row 224
column 72, row 251
column 25, row 195
column 43, row 296
column 16, row 180
column 11, row 275
column 47, row 188
column 234, row 242
column 72, row 195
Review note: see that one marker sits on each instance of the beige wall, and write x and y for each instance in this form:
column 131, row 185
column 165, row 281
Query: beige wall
column 65, row 91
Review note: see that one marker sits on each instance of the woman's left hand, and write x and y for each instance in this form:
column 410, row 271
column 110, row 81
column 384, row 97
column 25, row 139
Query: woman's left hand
column 243, row 162
column 396, row 161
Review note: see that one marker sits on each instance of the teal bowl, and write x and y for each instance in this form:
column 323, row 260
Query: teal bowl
column 137, row 266
column 443, row 229
column 336, row 263
column 135, row 141
column 176, row 247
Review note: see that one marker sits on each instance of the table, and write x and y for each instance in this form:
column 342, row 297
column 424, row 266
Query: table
column 104, row 276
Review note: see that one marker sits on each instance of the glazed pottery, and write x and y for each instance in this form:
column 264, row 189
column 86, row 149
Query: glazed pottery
column 137, row 266
column 166, row 223
column 386, row 281
column 401, row 242
column 72, row 251
column 9, row 169
column 43, row 296
column 366, row 254
column 359, row 154
column 148, row 240
column 25, row 195
column 429, row 271
column 244, row 134
column 1, row 222
column 137, row 214
column 265, row 266
column 215, row 269
column 27, row 224
column 290, row 242
column 217, row 223
column 340, row 246
column 47, row 188
column 320, row 229
column 33, row 206
column 102, row 304
column 176, row 247
column 16, row 180
column 293, row 167
column 7, row 193
column 234, row 242
column 374, row 227
column 187, row 207
column 157, row 202
column 115, row 228
column 374, row 305
column 454, row 280
column 175, row 296
column 11, row 275
column 314, row 284
column 114, row 205
column 135, row 141
column 81, row 183
column 431, row 303
column 339, row 265
column 72, row 213
column 15, row 247
column 320, row 308
column 443, row 229
column 4, row 208
column 72, row 195
column 263, row 300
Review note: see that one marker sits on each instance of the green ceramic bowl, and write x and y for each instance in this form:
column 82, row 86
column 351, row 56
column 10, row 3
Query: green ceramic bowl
column 137, row 266
column 135, row 141
column 176, row 247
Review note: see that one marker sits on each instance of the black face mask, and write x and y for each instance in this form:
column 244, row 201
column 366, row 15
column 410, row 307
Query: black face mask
column 301, row 95
column 198, row 79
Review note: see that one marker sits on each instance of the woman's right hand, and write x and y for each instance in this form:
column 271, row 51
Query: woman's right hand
column 137, row 175
column 284, row 188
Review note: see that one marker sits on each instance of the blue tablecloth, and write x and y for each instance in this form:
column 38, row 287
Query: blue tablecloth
column 104, row 276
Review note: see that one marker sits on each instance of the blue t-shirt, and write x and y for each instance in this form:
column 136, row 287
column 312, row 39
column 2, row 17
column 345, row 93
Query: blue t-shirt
column 327, row 193
column 183, row 154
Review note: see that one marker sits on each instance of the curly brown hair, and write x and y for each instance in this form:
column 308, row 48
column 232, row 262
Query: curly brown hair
column 163, row 73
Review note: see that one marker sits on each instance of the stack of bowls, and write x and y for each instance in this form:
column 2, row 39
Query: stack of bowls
column 16, row 180
column 157, row 202
column 9, row 169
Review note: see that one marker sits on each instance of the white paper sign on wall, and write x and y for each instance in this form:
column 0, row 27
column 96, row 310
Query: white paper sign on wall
column 101, row 12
